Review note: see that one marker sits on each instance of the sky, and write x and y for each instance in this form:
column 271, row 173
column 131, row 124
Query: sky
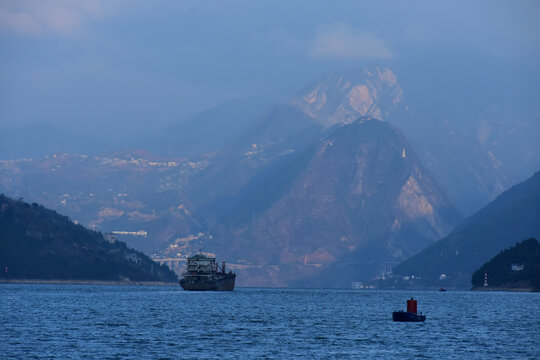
column 124, row 66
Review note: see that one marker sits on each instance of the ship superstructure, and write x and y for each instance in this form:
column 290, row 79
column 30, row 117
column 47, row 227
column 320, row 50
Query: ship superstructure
column 203, row 273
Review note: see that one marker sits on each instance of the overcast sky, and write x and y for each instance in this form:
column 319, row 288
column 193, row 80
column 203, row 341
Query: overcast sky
column 131, row 64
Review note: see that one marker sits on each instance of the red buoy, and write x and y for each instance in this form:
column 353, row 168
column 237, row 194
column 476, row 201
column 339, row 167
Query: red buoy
column 411, row 315
column 412, row 306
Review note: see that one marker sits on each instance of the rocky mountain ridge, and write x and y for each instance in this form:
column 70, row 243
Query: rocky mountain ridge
column 465, row 146
column 358, row 196
column 344, row 97
column 185, row 204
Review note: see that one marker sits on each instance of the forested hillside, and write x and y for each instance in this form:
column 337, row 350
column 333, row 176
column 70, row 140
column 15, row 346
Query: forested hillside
column 515, row 268
column 38, row 243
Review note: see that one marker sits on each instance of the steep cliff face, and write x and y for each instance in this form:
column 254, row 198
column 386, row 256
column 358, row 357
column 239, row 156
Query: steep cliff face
column 336, row 213
column 343, row 98
column 465, row 146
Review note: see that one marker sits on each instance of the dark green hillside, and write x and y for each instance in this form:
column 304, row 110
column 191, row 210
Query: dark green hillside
column 525, row 257
column 515, row 214
column 38, row 243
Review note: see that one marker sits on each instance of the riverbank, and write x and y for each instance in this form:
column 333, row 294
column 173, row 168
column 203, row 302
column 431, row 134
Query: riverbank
column 85, row 282
column 516, row 289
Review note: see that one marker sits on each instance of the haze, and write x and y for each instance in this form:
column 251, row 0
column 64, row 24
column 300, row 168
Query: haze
column 117, row 70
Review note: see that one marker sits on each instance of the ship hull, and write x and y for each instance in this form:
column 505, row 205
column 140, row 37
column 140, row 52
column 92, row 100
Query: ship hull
column 403, row 316
column 208, row 283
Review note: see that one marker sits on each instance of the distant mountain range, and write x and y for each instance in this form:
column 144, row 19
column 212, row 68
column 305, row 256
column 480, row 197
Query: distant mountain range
column 510, row 218
column 208, row 131
column 233, row 177
column 273, row 140
column 39, row 244
column 125, row 191
column 205, row 132
column 35, row 141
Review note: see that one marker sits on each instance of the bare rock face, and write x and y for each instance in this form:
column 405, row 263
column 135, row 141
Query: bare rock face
column 474, row 154
column 343, row 98
column 356, row 200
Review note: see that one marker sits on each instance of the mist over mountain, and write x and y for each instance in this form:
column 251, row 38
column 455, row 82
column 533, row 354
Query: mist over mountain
column 42, row 139
column 207, row 131
column 204, row 132
column 271, row 141
column 465, row 145
column 229, row 178
column 331, row 159
column 478, row 128
column 488, row 138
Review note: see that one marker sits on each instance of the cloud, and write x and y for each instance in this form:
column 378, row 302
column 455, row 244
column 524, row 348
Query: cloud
column 19, row 22
column 341, row 41
column 37, row 17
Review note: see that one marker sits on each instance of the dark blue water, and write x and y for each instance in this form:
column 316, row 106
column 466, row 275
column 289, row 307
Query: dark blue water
column 134, row 322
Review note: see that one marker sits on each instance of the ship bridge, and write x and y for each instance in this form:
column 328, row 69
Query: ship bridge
column 201, row 264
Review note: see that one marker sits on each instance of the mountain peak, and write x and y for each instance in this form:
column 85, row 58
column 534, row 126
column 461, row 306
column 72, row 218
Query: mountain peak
column 344, row 97
column 354, row 200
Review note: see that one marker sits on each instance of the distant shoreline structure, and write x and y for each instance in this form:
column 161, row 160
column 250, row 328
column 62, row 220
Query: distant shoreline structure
column 134, row 233
column 510, row 289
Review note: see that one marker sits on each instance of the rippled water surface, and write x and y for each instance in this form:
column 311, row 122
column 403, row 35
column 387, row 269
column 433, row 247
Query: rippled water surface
column 122, row 322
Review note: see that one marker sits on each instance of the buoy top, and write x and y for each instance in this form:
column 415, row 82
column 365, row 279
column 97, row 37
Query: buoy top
column 412, row 306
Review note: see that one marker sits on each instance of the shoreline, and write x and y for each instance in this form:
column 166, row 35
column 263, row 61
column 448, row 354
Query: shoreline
column 86, row 282
column 518, row 289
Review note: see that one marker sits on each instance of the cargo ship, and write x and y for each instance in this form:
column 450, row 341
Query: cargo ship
column 203, row 273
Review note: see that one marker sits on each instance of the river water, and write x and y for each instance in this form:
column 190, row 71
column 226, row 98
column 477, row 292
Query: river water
column 157, row 322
